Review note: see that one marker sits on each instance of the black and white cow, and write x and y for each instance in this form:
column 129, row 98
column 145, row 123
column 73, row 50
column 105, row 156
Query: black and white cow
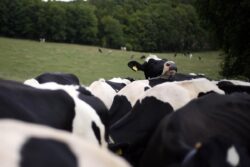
column 180, row 93
column 118, row 83
column 57, row 77
column 175, row 93
column 153, row 66
column 232, row 86
column 135, row 127
column 31, row 145
column 65, row 80
column 103, row 91
column 197, row 122
column 54, row 105
column 126, row 98
column 160, row 70
column 132, row 132
column 107, row 89
column 218, row 152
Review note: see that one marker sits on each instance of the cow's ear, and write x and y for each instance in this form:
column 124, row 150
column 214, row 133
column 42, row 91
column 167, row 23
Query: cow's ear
column 189, row 156
column 119, row 152
column 198, row 145
column 118, row 148
column 135, row 66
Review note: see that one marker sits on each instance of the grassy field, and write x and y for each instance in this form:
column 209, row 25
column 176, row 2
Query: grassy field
column 24, row 59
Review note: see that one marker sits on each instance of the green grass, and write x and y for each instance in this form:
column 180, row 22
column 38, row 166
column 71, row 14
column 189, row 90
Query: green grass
column 24, row 59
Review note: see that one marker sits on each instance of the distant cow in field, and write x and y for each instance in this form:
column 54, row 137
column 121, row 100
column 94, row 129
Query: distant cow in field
column 99, row 50
column 190, row 55
column 42, row 40
column 123, row 48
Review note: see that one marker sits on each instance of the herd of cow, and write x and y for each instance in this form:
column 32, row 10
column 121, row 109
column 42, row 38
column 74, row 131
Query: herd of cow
column 167, row 120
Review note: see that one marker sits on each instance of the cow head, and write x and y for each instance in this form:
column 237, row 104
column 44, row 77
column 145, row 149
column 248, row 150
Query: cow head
column 169, row 68
column 153, row 66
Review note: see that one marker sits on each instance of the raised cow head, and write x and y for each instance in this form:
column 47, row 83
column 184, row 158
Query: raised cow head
column 153, row 66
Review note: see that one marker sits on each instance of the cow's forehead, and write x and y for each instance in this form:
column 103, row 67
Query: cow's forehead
column 152, row 57
column 170, row 62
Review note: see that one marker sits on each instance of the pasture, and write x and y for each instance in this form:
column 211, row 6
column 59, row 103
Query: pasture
column 23, row 59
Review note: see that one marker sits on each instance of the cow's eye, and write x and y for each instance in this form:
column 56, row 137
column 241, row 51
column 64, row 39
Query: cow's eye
column 167, row 64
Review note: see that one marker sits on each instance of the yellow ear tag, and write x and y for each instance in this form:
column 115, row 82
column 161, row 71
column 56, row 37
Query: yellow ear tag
column 119, row 152
column 198, row 145
column 134, row 68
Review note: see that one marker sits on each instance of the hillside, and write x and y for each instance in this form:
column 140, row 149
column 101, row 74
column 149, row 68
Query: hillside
column 23, row 59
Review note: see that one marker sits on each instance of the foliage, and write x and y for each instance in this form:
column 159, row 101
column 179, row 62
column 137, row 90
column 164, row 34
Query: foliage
column 82, row 23
column 143, row 25
column 230, row 20
column 112, row 32
column 55, row 21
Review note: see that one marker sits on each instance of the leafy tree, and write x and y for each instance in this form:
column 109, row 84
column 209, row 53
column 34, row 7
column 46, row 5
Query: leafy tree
column 29, row 27
column 81, row 23
column 112, row 32
column 142, row 25
column 53, row 21
column 18, row 18
column 141, row 30
column 10, row 17
column 164, row 27
column 230, row 20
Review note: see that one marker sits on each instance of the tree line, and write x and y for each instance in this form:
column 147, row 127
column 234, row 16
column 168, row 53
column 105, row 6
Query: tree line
column 55, row 21
column 141, row 25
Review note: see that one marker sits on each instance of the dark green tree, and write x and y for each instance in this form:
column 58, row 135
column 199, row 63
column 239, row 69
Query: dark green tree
column 141, row 32
column 142, row 25
column 81, row 23
column 52, row 24
column 230, row 20
column 11, row 17
column 112, row 32
column 165, row 27
column 31, row 14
